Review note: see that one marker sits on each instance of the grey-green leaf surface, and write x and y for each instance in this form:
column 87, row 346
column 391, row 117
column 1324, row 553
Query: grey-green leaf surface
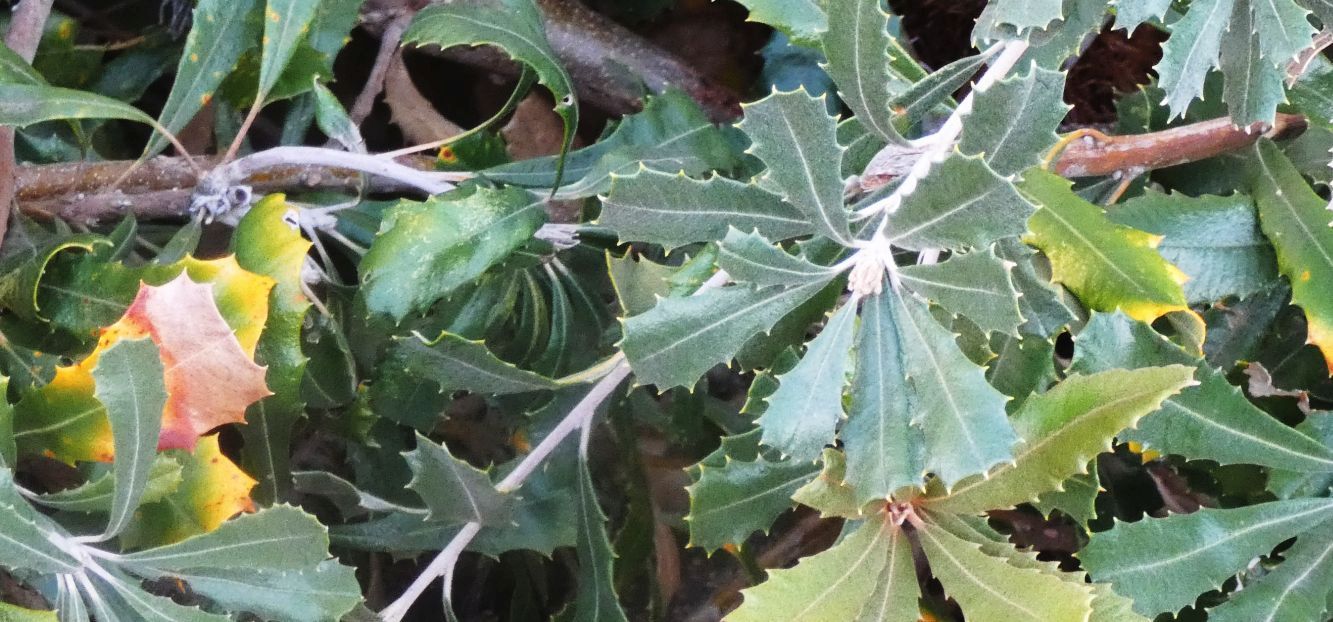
column 1253, row 88
column 681, row 338
column 1014, row 122
column 1214, row 240
column 1164, row 564
column 1212, row 421
column 831, row 586
column 937, row 89
column 1131, row 13
column 22, row 105
column 514, row 26
column 456, row 363
column 1028, row 14
column 596, row 599
column 454, row 490
column 896, row 591
column 96, row 495
column 333, row 120
column 802, row 20
column 14, row 69
column 737, row 492
column 803, row 412
column 127, row 601
column 960, row 204
column 749, row 258
column 1282, row 28
column 797, row 140
column 426, row 250
column 277, row 538
column 976, row 285
column 1192, row 51
column 1039, row 301
column 884, row 450
column 858, row 61
column 1297, row 590
column 24, row 543
column 323, row 592
column 222, row 30
column 286, row 23
column 963, row 419
column 130, row 384
column 674, row 210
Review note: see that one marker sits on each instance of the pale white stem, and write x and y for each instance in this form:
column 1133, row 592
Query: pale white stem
column 431, row 183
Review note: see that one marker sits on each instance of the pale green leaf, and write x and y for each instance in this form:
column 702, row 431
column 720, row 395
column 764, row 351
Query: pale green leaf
column 14, row 69
column 222, row 31
column 22, row 105
column 1015, row 120
column 990, row 589
column 1253, row 88
column 455, row 363
column 829, row 493
column 1040, row 302
column 1076, row 497
column 1131, row 13
column 318, row 594
column 858, row 56
column 1282, row 28
column 286, row 23
column 333, row 120
column 126, row 601
column 749, row 258
column 454, row 490
column 130, row 384
column 1027, row 14
column 962, row 203
column 802, row 20
column 1164, row 564
column 1192, row 51
column 1063, row 429
column 803, row 413
column 1021, row 367
column 96, row 495
column 596, row 599
column 896, row 592
column 25, row 543
column 277, row 538
column 1297, row 222
column 1297, row 590
column 793, row 134
column 681, row 338
column 976, row 285
column 739, row 494
column 14, row 613
column 674, row 210
column 832, row 586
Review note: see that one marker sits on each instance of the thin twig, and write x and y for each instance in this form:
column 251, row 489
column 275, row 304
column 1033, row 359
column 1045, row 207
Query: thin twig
column 389, row 42
column 26, row 25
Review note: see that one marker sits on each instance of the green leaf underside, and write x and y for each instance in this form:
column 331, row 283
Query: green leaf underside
column 1252, row 89
column 1015, row 121
column 1163, row 564
column 278, row 538
column 1064, row 429
column 130, row 384
column 832, row 586
column 829, row 493
column 961, row 204
column 797, row 139
column 454, row 490
column 803, row 413
column 681, row 338
column 674, row 210
column 975, row 285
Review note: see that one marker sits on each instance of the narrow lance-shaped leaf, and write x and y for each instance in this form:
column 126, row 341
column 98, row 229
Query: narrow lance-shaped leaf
column 1015, row 120
column 515, row 28
column 674, row 210
column 961, row 204
column 681, row 338
column 858, row 61
column 278, row 538
column 222, row 30
column 962, row 417
column 1296, row 590
column 797, row 140
column 1063, row 429
column 884, row 450
column 596, row 600
column 1295, row 220
column 24, row 544
column 975, row 285
column 1164, row 564
column 286, row 23
column 832, row 586
column 130, row 385
column 1107, row 266
column 454, row 490
column 22, row 105
column 803, row 413
column 990, row 589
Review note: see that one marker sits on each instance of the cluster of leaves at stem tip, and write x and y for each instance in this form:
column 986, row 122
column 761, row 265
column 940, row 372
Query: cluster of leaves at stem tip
column 1198, row 299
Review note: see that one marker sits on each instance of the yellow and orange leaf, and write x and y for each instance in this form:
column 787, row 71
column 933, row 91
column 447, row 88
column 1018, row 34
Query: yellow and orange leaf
column 213, row 489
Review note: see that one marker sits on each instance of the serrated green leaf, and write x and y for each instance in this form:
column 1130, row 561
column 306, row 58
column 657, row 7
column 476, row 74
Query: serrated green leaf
column 1287, row 484
column 829, row 493
column 1163, row 564
column 937, row 89
column 749, row 258
column 1131, row 13
column 1212, row 421
column 973, row 578
column 896, row 591
column 1192, row 51
column 1106, row 265
column 1039, row 300
column 222, row 30
column 130, row 384
column 1295, row 220
column 1021, row 367
column 697, row 210
column 96, row 495
column 24, row 542
column 681, row 338
column 1015, row 120
column 961, row 204
column 317, row 594
column 278, row 538
column 793, row 134
column 454, row 490
column 832, row 586
column 455, row 363
column 858, row 61
column 975, row 285
column 1282, row 28
column 1026, row 14
column 124, row 597
column 738, row 495
column 1253, row 87
column 884, row 450
column 962, row 417
column 1297, row 590
column 596, row 598
column 1214, row 240
column 1063, row 429
column 426, row 250
column 1076, row 497
column 803, row 413
column 802, row 20
column 514, row 26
